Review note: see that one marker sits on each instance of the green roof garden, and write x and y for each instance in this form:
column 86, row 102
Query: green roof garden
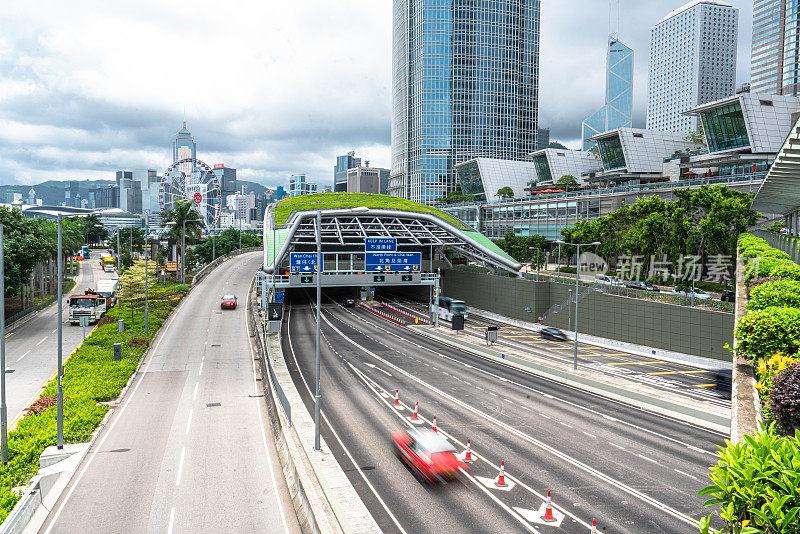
column 285, row 208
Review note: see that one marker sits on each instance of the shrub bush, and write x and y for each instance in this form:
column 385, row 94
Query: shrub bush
column 755, row 483
column 790, row 271
column 762, row 333
column 784, row 399
column 765, row 372
column 774, row 293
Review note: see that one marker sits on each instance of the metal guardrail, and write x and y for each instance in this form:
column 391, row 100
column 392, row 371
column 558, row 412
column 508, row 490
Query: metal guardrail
column 784, row 242
column 285, row 405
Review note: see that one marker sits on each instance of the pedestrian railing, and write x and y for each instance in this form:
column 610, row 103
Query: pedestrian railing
column 787, row 243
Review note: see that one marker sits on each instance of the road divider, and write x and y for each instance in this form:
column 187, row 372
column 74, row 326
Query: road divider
column 382, row 313
column 650, row 402
column 407, row 314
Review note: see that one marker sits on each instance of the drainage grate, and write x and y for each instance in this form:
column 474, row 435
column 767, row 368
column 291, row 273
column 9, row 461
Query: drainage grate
column 213, row 404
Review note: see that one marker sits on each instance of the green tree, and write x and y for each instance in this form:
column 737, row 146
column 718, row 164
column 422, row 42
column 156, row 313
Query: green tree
column 556, row 144
column 505, row 193
column 94, row 232
column 127, row 235
column 568, row 182
column 696, row 136
column 227, row 241
column 183, row 212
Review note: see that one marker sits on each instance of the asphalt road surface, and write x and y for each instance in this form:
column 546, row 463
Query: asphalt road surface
column 32, row 347
column 687, row 380
column 188, row 449
column 632, row 470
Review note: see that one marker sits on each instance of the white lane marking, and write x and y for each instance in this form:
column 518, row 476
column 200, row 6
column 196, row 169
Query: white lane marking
column 263, row 432
column 565, row 424
column 18, row 359
column 545, row 416
column 480, row 388
column 509, row 401
column 54, row 331
column 684, row 473
column 500, row 503
column 526, row 408
column 189, row 420
column 42, row 341
column 620, row 447
column 180, row 467
column 642, row 456
column 116, row 419
column 493, row 394
column 194, row 395
column 200, row 371
column 543, row 446
column 590, row 435
column 171, row 520
column 333, row 431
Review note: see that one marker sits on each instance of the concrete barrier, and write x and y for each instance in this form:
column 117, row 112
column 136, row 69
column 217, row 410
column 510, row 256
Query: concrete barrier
column 323, row 498
column 690, row 414
column 202, row 273
column 745, row 401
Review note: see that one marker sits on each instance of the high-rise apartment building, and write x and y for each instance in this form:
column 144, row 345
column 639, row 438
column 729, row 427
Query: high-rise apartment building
column 617, row 111
column 465, row 79
column 775, row 59
column 344, row 164
column 692, row 61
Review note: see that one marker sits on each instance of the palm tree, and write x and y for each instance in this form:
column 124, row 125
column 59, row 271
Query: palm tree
column 183, row 212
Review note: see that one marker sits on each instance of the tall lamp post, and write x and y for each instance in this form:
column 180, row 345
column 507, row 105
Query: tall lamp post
column 146, row 289
column 577, row 273
column 3, row 408
column 59, row 366
column 183, row 246
column 317, row 446
column 537, row 261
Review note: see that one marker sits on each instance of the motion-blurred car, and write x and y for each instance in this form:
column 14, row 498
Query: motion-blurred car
column 723, row 381
column 698, row 293
column 350, row 303
column 429, row 455
column 553, row 334
column 643, row 286
column 728, row 295
column 228, row 302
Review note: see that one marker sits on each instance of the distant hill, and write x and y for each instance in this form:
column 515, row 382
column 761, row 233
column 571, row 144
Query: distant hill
column 255, row 187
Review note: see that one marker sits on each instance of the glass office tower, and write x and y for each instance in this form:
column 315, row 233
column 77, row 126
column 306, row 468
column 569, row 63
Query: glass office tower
column 619, row 94
column 775, row 59
column 465, row 79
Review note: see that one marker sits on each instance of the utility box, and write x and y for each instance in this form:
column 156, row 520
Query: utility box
column 275, row 311
column 458, row 321
column 491, row 334
column 117, row 352
column 121, row 326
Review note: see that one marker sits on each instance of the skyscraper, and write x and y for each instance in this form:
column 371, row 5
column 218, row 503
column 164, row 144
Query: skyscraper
column 775, row 60
column 184, row 147
column 343, row 164
column 692, row 61
column 465, row 81
column 619, row 94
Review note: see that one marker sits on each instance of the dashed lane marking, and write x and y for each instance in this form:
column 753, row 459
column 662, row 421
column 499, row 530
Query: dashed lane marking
column 635, row 363
column 620, row 447
column 678, row 372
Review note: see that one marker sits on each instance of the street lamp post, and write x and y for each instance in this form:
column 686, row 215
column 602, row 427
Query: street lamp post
column 317, row 446
column 183, row 246
column 3, row 408
column 59, row 368
column 577, row 273
column 146, row 289
column 537, row 263
column 558, row 267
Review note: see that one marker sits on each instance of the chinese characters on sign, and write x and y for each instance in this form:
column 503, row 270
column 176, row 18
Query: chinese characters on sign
column 380, row 244
column 717, row 268
column 303, row 262
column 393, row 261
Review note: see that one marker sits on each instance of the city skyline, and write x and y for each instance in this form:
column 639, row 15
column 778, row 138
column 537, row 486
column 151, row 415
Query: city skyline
column 74, row 110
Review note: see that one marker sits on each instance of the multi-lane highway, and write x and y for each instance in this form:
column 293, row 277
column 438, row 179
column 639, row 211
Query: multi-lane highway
column 31, row 347
column 632, row 470
column 680, row 378
column 187, row 450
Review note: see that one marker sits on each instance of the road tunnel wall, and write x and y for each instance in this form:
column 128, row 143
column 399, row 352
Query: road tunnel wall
column 695, row 331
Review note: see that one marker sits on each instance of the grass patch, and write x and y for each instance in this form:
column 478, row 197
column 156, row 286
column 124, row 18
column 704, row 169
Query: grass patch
column 90, row 378
column 285, row 207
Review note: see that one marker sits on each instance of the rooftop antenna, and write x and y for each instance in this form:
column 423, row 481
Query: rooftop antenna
column 613, row 20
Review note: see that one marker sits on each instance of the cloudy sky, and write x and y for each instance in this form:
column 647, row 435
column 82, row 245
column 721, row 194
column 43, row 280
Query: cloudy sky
column 269, row 88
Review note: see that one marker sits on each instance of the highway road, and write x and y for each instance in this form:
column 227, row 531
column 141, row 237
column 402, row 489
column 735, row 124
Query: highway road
column 188, row 449
column 685, row 379
column 31, row 347
column 632, row 470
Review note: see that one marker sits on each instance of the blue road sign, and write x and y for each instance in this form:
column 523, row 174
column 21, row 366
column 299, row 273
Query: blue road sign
column 380, row 244
column 279, row 296
column 393, row 261
column 303, row 262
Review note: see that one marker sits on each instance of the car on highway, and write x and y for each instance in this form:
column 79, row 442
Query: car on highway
column 642, row 286
column 698, row 293
column 228, row 302
column 608, row 281
column 553, row 334
column 728, row 295
column 430, row 457
column 723, row 381
column 350, row 303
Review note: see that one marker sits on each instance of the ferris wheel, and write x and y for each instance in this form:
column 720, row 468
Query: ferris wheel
column 192, row 180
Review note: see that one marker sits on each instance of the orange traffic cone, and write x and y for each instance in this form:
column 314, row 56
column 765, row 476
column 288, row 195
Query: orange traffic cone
column 468, row 454
column 501, row 478
column 548, row 510
column 397, row 397
column 416, row 408
column 434, row 424
column 594, row 527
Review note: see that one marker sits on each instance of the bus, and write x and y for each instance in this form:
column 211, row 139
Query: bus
column 449, row 307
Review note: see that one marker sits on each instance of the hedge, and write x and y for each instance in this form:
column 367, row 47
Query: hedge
column 774, row 293
column 762, row 333
column 90, row 378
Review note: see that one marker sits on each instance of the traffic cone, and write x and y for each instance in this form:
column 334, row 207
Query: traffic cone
column 397, row 397
column 594, row 527
column 548, row 510
column 468, row 454
column 501, row 478
column 416, row 408
column 434, row 424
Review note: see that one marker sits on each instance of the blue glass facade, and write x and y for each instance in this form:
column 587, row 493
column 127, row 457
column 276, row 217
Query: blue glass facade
column 464, row 85
column 619, row 95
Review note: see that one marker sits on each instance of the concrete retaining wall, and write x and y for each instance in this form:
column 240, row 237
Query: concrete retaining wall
column 695, row 331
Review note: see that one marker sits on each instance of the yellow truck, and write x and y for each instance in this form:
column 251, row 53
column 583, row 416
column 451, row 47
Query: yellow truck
column 107, row 262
